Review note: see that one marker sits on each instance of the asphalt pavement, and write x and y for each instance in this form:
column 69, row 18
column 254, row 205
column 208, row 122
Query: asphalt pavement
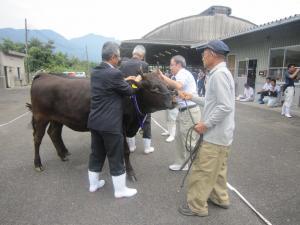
column 264, row 166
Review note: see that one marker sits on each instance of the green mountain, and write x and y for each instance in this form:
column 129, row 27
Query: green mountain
column 73, row 47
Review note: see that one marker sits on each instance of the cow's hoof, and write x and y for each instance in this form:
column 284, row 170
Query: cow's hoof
column 64, row 158
column 132, row 177
column 39, row 168
column 66, row 152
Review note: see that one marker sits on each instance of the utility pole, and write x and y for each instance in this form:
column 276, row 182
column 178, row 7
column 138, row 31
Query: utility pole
column 26, row 51
column 87, row 60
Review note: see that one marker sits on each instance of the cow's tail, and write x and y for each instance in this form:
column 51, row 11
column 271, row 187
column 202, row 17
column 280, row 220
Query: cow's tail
column 29, row 106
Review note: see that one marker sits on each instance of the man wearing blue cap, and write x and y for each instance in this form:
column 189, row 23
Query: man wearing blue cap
column 208, row 177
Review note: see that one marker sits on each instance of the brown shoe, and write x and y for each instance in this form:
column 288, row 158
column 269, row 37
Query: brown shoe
column 223, row 205
column 186, row 211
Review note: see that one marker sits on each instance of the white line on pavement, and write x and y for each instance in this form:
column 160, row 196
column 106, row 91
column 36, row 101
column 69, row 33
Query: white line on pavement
column 249, row 204
column 159, row 125
column 232, row 189
column 4, row 124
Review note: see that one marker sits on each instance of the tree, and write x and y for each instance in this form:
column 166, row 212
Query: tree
column 7, row 45
column 41, row 56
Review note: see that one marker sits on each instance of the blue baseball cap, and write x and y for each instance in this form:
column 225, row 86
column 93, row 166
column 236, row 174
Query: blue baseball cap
column 217, row 46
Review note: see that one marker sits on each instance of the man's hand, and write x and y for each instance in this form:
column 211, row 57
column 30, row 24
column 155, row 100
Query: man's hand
column 130, row 78
column 200, row 127
column 138, row 78
column 185, row 95
column 134, row 78
column 161, row 75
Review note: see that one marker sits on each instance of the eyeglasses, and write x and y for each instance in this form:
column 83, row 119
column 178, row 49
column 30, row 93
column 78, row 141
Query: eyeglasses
column 118, row 57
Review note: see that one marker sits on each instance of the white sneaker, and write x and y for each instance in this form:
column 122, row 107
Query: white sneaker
column 95, row 183
column 288, row 115
column 176, row 167
column 166, row 133
column 170, row 138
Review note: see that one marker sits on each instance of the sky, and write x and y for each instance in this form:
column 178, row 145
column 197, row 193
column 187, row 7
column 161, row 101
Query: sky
column 128, row 19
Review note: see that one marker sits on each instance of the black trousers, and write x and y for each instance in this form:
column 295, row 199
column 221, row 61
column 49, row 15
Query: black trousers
column 263, row 94
column 107, row 144
column 147, row 127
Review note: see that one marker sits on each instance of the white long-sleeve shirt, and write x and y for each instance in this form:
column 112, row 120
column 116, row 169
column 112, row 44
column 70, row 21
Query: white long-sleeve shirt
column 219, row 106
column 248, row 93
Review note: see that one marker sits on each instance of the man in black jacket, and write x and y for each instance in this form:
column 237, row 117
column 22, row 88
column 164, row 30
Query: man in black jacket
column 136, row 66
column 105, row 122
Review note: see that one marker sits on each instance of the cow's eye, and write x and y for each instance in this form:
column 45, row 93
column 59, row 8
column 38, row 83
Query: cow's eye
column 156, row 90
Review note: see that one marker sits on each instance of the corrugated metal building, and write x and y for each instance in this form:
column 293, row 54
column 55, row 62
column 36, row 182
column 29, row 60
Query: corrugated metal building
column 177, row 37
column 263, row 51
column 256, row 51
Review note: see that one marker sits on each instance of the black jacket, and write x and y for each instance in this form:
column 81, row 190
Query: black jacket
column 132, row 67
column 107, row 88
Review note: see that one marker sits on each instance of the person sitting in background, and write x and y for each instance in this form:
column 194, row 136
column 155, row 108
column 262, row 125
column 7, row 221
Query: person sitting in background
column 248, row 95
column 264, row 91
column 273, row 93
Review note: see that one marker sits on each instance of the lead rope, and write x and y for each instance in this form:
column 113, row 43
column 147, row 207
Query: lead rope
column 136, row 106
column 188, row 146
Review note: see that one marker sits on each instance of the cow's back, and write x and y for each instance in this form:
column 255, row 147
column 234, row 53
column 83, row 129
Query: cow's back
column 63, row 100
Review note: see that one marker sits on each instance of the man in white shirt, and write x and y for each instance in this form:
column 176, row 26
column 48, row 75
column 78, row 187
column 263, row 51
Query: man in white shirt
column 272, row 98
column 248, row 95
column 184, row 82
column 264, row 91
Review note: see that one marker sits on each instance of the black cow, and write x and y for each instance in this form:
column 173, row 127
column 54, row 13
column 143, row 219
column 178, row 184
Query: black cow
column 60, row 101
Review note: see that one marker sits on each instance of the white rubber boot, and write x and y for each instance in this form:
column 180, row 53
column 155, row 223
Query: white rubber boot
column 95, row 183
column 283, row 110
column 131, row 144
column 121, row 190
column 147, row 146
column 172, row 133
column 287, row 112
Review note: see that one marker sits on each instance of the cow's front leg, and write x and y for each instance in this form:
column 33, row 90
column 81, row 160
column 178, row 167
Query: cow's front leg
column 129, row 170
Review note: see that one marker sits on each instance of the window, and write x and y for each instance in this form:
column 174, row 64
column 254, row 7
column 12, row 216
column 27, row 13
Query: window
column 19, row 75
column 280, row 58
column 242, row 72
column 231, row 63
column 292, row 55
column 276, row 58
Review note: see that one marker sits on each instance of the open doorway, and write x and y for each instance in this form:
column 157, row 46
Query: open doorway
column 251, row 74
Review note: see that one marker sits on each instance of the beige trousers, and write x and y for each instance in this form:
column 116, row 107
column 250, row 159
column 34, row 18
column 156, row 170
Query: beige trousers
column 208, row 177
column 183, row 123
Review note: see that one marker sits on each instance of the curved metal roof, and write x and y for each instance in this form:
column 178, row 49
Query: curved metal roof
column 211, row 24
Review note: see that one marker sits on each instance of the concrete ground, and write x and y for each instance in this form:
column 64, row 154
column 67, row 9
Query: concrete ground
column 264, row 167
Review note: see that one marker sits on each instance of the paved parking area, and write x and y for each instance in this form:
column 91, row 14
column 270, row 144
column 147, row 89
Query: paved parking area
column 264, row 166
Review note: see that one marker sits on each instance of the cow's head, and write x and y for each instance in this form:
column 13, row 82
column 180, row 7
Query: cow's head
column 153, row 94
